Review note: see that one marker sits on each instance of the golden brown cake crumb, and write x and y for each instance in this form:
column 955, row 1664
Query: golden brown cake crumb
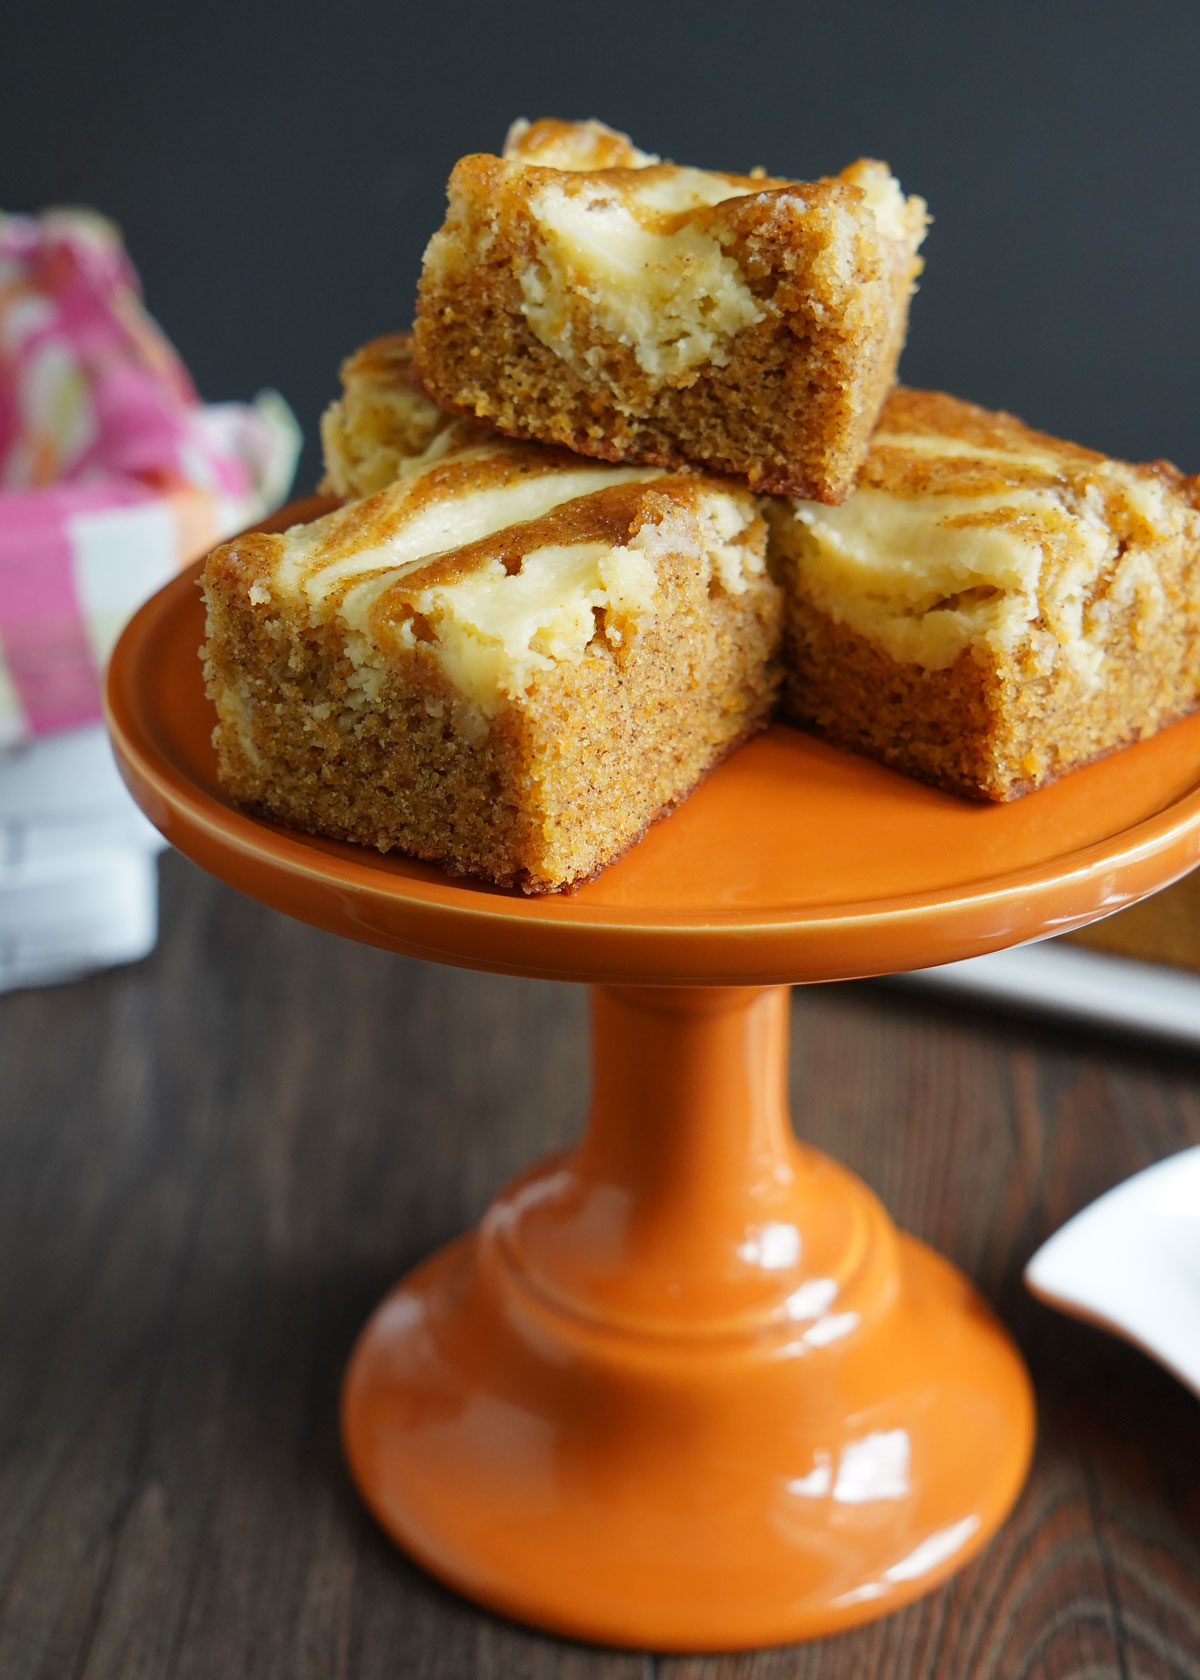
column 638, row 311
column 991, row 607
column 382, row 419
column 509, row 661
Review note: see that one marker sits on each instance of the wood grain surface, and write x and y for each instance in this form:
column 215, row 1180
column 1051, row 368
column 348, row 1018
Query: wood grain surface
column 214, row 1164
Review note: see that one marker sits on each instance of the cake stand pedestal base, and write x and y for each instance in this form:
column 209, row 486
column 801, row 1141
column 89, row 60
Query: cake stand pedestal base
column 686, row 1388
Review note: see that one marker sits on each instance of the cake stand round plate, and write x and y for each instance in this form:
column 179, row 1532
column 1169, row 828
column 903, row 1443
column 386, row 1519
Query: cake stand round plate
column 792, row 862
column 686, row 1387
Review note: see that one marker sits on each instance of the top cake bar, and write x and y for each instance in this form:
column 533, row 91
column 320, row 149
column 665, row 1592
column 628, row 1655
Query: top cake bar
column 582, row 293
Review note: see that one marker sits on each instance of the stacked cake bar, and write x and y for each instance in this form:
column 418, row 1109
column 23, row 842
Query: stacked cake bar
column 645, row 312
column 641, row 475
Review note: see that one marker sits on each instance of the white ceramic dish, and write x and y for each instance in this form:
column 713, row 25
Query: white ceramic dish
column 1131, row 1263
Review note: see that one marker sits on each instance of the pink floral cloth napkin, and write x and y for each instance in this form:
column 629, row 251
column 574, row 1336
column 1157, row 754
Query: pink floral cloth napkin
column 113, row 475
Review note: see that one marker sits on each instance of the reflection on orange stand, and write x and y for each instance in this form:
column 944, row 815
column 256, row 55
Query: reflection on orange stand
column 687, row 1388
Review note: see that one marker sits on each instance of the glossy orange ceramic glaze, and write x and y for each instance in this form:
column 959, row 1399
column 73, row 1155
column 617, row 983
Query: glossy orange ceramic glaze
column 687, row 1387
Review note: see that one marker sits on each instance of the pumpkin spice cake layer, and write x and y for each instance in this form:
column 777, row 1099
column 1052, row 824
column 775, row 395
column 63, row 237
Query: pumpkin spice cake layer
column 583, row 293
column 382, row 419
column 509, row 662
column 991, row 607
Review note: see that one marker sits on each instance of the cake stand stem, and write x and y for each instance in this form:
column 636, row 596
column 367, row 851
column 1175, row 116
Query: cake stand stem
column 689, row 1206
column 689, row 1120
column 686, row 1387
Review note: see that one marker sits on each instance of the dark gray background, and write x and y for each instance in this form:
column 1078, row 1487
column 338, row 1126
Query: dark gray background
column 277, row 169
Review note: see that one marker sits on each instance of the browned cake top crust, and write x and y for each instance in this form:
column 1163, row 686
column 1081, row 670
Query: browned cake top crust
column 572, row 145
column 969, row 529
column 500, row 557
column 504, row 480
column 927, row 442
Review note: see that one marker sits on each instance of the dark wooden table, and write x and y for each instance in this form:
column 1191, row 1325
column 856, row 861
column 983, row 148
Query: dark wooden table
column 213, row 1165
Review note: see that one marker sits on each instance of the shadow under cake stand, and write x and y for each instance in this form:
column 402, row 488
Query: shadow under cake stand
column 687, row 1387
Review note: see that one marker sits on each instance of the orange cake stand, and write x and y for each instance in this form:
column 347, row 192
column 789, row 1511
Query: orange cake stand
column 687, row 1387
